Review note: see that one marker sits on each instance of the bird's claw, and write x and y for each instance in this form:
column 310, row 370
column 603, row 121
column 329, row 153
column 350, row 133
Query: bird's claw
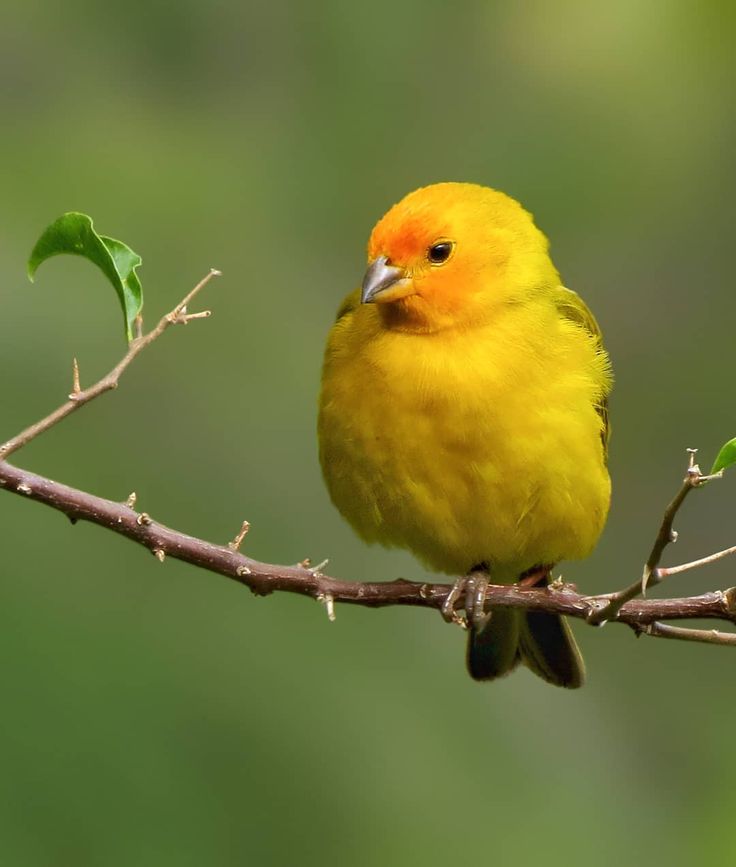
column 449, row 614
column 474, row 587
column 476, row 601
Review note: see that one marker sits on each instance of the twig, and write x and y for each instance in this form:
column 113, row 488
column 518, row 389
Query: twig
column 652, row 575
column 265, row 578
column 665, row 572
column 109, row 382
column 684, row 633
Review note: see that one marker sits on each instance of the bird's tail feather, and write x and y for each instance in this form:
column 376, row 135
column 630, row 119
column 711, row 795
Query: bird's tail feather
column 494, row 650
column 548, row 648
column 542, row 641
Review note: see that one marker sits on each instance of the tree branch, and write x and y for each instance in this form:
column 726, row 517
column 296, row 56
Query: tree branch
column 642, row 615
column 265, row 578
column 652, row 574
column 78, row 397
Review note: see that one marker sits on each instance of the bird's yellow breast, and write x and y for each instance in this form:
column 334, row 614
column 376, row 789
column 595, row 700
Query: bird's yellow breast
column 467, row 446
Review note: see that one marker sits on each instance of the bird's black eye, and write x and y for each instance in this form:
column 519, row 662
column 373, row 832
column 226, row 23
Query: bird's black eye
column 440, row 252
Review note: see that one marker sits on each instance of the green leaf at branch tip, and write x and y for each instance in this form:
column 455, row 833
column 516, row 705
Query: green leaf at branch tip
column 726, row 457
column 74, row 233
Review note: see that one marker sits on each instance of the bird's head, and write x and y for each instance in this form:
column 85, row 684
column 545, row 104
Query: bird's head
column 452, row 255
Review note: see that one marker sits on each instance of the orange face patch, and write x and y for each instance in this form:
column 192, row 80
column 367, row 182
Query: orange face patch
column 496, row 255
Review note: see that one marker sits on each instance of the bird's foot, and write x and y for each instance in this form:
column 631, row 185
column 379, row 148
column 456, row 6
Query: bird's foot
column 449, row 606
column 474, row 588
column 448, row 612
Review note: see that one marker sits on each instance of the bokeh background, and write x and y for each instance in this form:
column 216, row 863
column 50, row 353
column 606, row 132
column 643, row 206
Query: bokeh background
column 157, row 715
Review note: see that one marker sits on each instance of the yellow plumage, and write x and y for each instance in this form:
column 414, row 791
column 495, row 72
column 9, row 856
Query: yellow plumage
column 462, row 414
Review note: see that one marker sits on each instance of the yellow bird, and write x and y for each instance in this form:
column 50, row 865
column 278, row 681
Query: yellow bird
column 463, row 410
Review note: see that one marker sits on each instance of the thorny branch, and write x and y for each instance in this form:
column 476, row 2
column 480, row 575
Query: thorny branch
column 264, row 578
column 78, row 397
column 642, row 615
column 652, row 574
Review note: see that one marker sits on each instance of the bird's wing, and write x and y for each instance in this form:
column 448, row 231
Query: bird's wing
column 572, row 307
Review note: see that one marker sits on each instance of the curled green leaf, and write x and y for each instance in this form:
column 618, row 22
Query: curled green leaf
column 74, row 233
column 726, row 457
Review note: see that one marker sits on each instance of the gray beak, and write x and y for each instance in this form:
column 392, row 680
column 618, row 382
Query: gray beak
column 379, row 277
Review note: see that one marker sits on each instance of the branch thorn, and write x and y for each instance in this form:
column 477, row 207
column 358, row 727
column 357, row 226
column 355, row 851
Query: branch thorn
column 76, row 388
column 187, row 317
column 317, row 570
column 238, row 540
column 130, row 502
column 328, row 600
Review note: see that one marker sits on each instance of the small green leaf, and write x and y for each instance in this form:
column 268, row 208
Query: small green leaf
column 726, row 457
column 74, row 233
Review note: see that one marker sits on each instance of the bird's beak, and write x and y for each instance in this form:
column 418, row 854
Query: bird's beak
column 380, row 278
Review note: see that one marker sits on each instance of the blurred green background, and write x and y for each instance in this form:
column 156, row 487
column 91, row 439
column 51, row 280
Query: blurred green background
column 158, row 715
